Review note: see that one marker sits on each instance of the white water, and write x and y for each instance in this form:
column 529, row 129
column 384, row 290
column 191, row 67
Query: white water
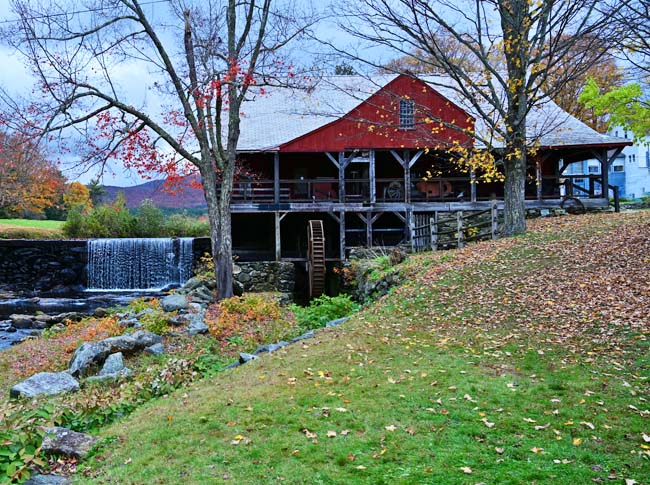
column 138, row 263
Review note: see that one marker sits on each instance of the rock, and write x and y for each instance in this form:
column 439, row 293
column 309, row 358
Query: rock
column 244, row 357
column 130, row 323
column 113, row 363
column 91, row 354
column 155, row 349
column 192, row 283
column 172, row 303
column 269, row 348
column 39, row 479
column 21, row 321
column 237, row 288
column 196, row 325
column 86, row 356
column 178, row 320
column 304, row 336
column 72, row 316
column 196, row 307
column 236, row 269
column 45, row 383
column 243, row 278
column 337, row 322
column 123, row 373
column 64, row 441
column 100, row 312
column 203, row 293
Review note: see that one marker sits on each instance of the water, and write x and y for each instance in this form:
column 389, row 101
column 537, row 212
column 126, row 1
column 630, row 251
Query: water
column 138, row 263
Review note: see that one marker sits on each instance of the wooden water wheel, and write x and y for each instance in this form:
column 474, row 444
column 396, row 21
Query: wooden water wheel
column 316, row 263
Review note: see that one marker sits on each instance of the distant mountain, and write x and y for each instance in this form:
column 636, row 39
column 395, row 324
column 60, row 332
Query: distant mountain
column 183, row 198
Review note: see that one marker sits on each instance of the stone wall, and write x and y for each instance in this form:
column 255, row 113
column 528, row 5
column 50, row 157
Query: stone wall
column 57, row 267
column 266, row 276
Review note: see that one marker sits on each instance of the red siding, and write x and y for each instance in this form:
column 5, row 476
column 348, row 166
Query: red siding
column 375, row 122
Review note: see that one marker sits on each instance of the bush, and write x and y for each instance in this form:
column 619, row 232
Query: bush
column 113, row 220
column 180, row 225
column 247, row 321
column 324, row 309
column 74, row 224
column 149, row 220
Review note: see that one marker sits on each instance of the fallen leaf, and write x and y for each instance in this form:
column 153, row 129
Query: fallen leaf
column 536, row 449
column 360, row 467
column 577, row 441
column 499, row 450
column 646, row 437
column 487, row 423
column 345, row 432
column 390, row 428
column 588, row 425
column 331, row 434
column 466, row 469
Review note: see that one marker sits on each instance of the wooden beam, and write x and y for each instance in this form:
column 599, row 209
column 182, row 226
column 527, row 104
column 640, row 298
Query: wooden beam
column 400, row 217
column 342, row 235
column 276, row 177
column 415, row 158
column 538, row 174
column 407, row 177
column 373, row 178
column 331, row 157
column 278, row 237
column 399, row 159
column 333, row 216
column 376, row 216
column 472, row 185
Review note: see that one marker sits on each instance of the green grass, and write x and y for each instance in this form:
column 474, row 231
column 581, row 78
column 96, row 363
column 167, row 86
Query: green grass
column 32, row 223
column 30, row 229
column 499, row 361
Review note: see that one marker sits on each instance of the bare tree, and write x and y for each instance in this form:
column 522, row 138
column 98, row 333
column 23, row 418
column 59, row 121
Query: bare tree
column 202, row 61
column 514, row 45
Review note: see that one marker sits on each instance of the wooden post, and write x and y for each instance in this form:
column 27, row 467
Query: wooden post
column 604, row 169
column 278, row 240
column 373, row 178
column 538, row 171
column 459, row 229
column 409, row 226
column 433, row 228
column 407, row 176
column 276, row 177
column 342, row 235
column 472, row 185
column 494, row 213
column 369, row 229
column 342, row 166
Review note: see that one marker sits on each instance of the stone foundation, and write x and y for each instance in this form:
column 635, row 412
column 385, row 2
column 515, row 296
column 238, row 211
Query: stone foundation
column 42, row 266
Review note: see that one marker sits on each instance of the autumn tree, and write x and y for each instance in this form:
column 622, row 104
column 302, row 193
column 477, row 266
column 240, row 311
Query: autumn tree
column 29, row 182
column 514, row 45
column 202, row 61
column 77, row 196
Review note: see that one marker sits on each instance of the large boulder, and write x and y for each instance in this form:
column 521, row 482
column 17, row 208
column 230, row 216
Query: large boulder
column 64, row 441
column 86, row 356
column 173, row 303
column 90, row 355
column 45, row 383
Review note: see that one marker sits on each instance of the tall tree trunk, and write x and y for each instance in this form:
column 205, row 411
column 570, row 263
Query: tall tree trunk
column 220, row 229
column 515, row 188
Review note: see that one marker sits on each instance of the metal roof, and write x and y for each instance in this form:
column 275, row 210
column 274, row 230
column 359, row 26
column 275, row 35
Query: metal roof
column 275, row 116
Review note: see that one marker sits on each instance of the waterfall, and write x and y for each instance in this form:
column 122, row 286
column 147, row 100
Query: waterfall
column 138, row 263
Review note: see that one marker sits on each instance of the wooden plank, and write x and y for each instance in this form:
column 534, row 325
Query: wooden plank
column 407, row 177
column 276, row 177
column 369, row 229
column 459, row 229
column 494, row 216
column 415, row 158
column 341, row 177
column 472, row 185
column 331, row 157
column 538, row 173
column 433, row 231
column 399, row 159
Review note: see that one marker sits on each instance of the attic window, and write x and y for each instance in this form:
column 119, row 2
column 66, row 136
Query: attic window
column 406, row 114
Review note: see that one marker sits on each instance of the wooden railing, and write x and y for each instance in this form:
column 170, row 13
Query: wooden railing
column 453, row 231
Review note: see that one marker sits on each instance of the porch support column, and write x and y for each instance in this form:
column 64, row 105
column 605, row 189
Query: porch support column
column 472, row 185
column 342, row 234
column 371, row 171
column 407, row 176
column 601, row 155
column 276, row 177
column 278, row 234
column 342, row 164
column 538, row 173
column 367, row 219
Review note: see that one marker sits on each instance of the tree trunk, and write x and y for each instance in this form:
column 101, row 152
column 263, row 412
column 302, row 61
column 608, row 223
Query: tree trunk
column 220, row 230
column 515, row 188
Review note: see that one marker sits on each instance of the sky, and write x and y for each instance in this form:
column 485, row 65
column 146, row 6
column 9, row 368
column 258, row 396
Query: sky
column 15, row 78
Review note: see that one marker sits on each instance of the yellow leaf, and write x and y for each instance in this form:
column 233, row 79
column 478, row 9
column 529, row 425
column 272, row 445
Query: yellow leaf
column 577, row 441
column 536, row 449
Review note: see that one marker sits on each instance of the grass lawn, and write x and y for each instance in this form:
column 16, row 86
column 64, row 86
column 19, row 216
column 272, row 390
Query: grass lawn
column 29, row 229
column 523, row 360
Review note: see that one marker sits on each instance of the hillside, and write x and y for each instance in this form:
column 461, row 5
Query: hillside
column 184, row 198
column 523, row 360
